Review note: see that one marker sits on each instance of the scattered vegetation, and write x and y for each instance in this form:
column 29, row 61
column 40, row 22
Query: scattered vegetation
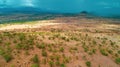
column 117, row 60
column 35, row 59
column 103, row 52
column 62, row 65
column 7, row 57
column 61, row 49
column 34, row 65
column 56, row 47
column 44, row 53
column 51, row 63
column 88, row 63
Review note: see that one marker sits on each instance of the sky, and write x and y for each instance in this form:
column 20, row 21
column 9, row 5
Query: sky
column 70, row 6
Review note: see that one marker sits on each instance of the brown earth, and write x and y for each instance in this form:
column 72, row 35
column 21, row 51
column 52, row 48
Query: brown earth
column 82, row 40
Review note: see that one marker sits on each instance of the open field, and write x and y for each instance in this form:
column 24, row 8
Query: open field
column 61, row 42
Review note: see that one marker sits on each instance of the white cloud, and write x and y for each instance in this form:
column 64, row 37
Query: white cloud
column 28, row 3
column 103, row 3
column 107, row 7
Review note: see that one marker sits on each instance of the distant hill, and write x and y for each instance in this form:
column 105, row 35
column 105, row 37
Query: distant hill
column 20, row 10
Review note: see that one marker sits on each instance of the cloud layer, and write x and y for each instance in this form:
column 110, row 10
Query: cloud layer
column 66, row 5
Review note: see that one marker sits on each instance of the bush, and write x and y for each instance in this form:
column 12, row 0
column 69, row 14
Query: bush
column 57, row 63
column 119, row 52
column 27, row 52
column 35, row 65
column 44, row 61
column 21, row 36
column 2, row 51
column 94, row 42
column 110, row 51
column 74, row 48
column 62, row 65
column 86, row 49
column 7, row 44
column 56, row 35
column 51, row 63
column 61, row 49
column 44, row 53
column 63, row 38
column 12, row 65
column 35, row 59
column 15, row 41
column 18, row 46
column 117, row 60
column 66, row 60
column 112, row 43
column 74, row 38
column 94, row 51
column 57, row 57
column 88, row 63
column 0, row 40
column 7, row 57
column 103, row 52
column 40, row 46
column 26, row 47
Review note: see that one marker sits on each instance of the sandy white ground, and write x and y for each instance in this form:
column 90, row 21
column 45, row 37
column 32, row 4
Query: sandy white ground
column 37, row 24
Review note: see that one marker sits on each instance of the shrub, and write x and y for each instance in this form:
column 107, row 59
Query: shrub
column 90, row 53
column 26, row 47
column 94, row 51
column 27, row 52
column 112, row 43
column 62, row 65
column 35, row 59
column 74, row 38
column 35, row 65
column 94, row 42
column 7, row 44
column 56, row 35
column 6, row 33
column 117, row 60
column 21, row 36
column 52, row 57
column 50, row 38
column 63, row 38
column 88, row 63
column 61, row 49
column 44, row 53
column 44, row 61
column 116, row 54
column 66, row 60
column 12, row 65
column 2, row 51
column 57, row 57
column 74, row 48
column 51, row 63
column 57, row 63
column 7, row 57
column 86, row 49
column 86, row 35
column 15, row 41
column 0, row 40
column 41, row 46
column 18, row 46
column 119, row 52
column 103, row 42
column 67, row 40
column 110, row 51
column 103, row 52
